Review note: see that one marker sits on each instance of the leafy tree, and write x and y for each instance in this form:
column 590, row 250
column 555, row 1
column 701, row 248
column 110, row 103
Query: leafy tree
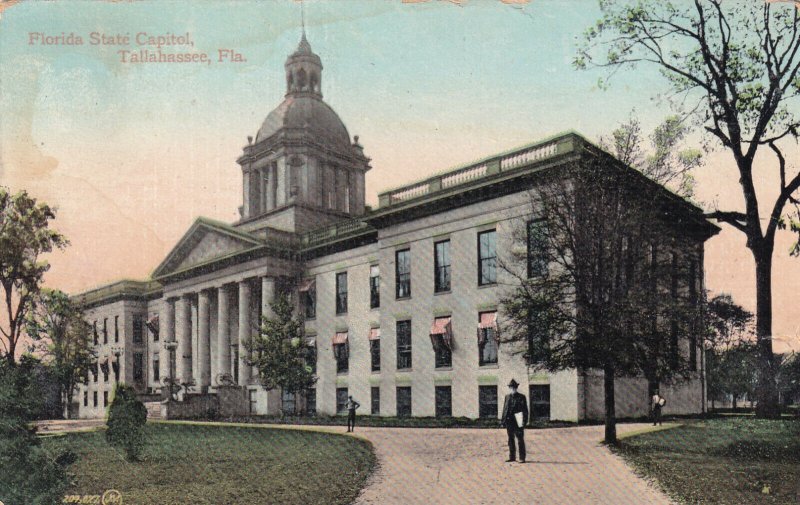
column 663, row 160
column 278, row 351
column 600, row 285
column 63, row 338
column 28, row 473
column 25, row 235
column 127, row 417
column 729, row 343
column 789, row 378
column 737, row 65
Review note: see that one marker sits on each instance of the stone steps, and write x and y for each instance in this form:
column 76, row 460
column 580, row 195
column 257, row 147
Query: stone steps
column 153, row 410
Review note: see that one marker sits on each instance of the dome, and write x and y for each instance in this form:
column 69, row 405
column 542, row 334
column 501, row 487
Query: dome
column 309, row 113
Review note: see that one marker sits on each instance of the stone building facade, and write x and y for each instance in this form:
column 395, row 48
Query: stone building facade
column 400, row 303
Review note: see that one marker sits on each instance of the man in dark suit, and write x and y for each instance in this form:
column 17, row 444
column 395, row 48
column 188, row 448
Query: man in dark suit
column 515, row 403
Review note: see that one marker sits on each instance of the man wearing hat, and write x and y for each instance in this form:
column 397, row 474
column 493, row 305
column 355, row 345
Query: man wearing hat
column 514, row 419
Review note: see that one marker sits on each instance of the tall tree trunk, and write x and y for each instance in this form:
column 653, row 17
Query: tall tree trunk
column 766, row 388
column 610, row 418
column 734, row 401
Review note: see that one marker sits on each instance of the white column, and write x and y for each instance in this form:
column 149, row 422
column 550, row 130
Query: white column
column 166, row 334
column 204, row 339
column 223, row 331
column 244, row 331
column 183, row 329
column 267, row 295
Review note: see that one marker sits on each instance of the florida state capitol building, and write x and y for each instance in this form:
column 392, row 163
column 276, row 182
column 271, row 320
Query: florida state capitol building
column 399, row 303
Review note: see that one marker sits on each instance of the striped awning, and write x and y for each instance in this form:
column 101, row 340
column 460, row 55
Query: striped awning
column 442, row 333
column 340, row 338
column 374, row 333
column 488, row 320
column 307, row 284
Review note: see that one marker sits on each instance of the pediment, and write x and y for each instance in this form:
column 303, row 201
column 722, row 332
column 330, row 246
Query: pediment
column 205, row 242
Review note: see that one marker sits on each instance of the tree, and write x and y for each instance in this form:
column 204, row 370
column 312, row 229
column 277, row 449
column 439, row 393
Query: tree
column 665, row 163
column 63, row 339
column 599, row 285
column 729, row 344
column 789, row 378
column 127, row 417
column 737, row 64
column 28, row 473
column 278, row 351
column 25, row 235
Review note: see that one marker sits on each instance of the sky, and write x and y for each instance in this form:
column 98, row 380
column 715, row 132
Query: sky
column 131, row 154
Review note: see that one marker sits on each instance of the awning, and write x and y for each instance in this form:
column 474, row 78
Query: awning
column 442, row 331
column 152, row 324
column 375, row 334
column 488, row 320
column 340, row 338
column 307, row 284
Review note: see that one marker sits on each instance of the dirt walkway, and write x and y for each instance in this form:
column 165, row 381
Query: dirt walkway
column 466, row 466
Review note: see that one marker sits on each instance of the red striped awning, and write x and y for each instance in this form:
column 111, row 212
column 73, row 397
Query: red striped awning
column 442, row 331
column 488, row 320
column 340, row 338
column 375, row 334
column 307, row 284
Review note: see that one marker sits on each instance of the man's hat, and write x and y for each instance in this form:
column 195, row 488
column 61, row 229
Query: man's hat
column 513, row 384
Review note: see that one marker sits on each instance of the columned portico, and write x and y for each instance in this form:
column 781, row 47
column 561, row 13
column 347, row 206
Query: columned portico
column 244, row 331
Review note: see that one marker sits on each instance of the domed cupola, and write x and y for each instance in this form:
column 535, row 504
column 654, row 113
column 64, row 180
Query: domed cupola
column 303, row 71
column 303, row 170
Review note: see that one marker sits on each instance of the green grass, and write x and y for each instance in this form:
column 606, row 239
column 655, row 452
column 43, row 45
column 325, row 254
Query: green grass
column 220, row 465
column 722, row 461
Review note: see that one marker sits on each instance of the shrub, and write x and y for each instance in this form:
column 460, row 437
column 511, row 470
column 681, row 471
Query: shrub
column 28, row 474
column 126, row 419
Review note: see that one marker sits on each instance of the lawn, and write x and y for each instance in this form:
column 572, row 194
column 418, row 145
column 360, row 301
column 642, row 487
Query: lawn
column 221, row 465
column 722, row 461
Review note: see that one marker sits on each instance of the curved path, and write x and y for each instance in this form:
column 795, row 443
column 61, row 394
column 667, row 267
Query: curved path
column 466, row 466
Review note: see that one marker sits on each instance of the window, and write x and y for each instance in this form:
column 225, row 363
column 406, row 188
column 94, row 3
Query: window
column 341, row 400
column 375, row 354
column 341, row 293
column 311, row 356
column 403, row 345
column 104, row 368
column 540, row 401
column 156, row 372
column 444, row 401
column 105, row 398
column 374, row 287
column 94, row 398
column 288, row 403
column 105, row 330
column 487, row 338
column 538, row 338
column 311, row 401
column 309, row 296
column 138, row 367
column 152, row 325
column 403, row 273
column 487, row 402
column 537, row 248
column 487, row 258
column 138, row 329
column 375, row 401
column 341, row 352
column 116, row 328
column 693, row 302
column 96, row 371
column 85, row 398
column 441, row 268
column 94, row 331
column 251, row 400
column 404, row 402
column 441, row 338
